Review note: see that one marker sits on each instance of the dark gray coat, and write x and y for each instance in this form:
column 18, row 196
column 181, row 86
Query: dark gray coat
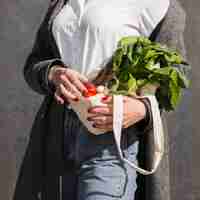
column 43, row 161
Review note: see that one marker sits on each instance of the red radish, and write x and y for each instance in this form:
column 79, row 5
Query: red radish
column 91, row 90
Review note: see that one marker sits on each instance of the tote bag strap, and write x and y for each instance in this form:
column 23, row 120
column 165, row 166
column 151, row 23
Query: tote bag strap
column 158, row 133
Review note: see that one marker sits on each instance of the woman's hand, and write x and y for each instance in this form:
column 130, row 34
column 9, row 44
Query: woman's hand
column 102, row 116
column 68, row 82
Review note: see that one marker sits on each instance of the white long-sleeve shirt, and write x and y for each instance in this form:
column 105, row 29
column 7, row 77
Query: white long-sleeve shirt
column 87, row 31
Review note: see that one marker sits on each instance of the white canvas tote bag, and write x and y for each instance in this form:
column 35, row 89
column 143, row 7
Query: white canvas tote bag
column 81, row 108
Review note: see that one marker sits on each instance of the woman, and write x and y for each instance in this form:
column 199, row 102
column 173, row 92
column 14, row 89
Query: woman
column 75, row 38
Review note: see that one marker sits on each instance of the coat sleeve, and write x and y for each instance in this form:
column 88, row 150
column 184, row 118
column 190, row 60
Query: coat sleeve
column 40, row 60
column 170, row 32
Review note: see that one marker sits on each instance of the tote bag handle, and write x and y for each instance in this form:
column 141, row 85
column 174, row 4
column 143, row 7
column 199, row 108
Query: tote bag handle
column 158, row 133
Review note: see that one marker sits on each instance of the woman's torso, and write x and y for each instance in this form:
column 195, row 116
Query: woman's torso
column 87, row 31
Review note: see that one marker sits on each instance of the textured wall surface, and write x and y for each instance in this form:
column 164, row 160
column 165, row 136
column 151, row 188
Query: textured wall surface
column 185, row 160
column 18, row 105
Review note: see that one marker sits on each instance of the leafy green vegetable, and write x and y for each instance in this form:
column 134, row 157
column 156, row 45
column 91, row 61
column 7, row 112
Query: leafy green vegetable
column 139, row 61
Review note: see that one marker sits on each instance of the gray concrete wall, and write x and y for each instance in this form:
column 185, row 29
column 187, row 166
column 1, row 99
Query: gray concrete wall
column 18, row 105
column 185, row 161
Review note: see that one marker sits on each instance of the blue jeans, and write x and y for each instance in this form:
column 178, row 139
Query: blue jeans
column 98, row 174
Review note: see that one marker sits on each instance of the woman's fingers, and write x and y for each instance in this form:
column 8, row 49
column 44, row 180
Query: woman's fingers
column 105, row 127
column 77, row 79
column 70, row 87
column 79, row 85
column 58, row 98
column 109, row 99
column 103, row 120
column 65, row 93
column 102, row 116
column 127, row 123
column 82, row 78
column 101, row 110
column 69, row 83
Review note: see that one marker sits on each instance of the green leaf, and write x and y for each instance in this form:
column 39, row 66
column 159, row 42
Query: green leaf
column 114, row 85
column 123, row 76
column 141, row 82
column 132, row 84
column 127, row 40
column 150, row 53
column 117, row 59
column 130, row 52
column 150, row 65
column 163, row 71
column 174, row 76
column 174, row 93
column 138, row 61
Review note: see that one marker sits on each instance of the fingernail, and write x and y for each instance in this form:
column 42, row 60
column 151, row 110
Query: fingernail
column 104, row 98
column 89, row 110
column 76, row 99
column 93, row 110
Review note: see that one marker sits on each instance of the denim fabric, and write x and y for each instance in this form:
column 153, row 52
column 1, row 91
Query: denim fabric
column 98, row 174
